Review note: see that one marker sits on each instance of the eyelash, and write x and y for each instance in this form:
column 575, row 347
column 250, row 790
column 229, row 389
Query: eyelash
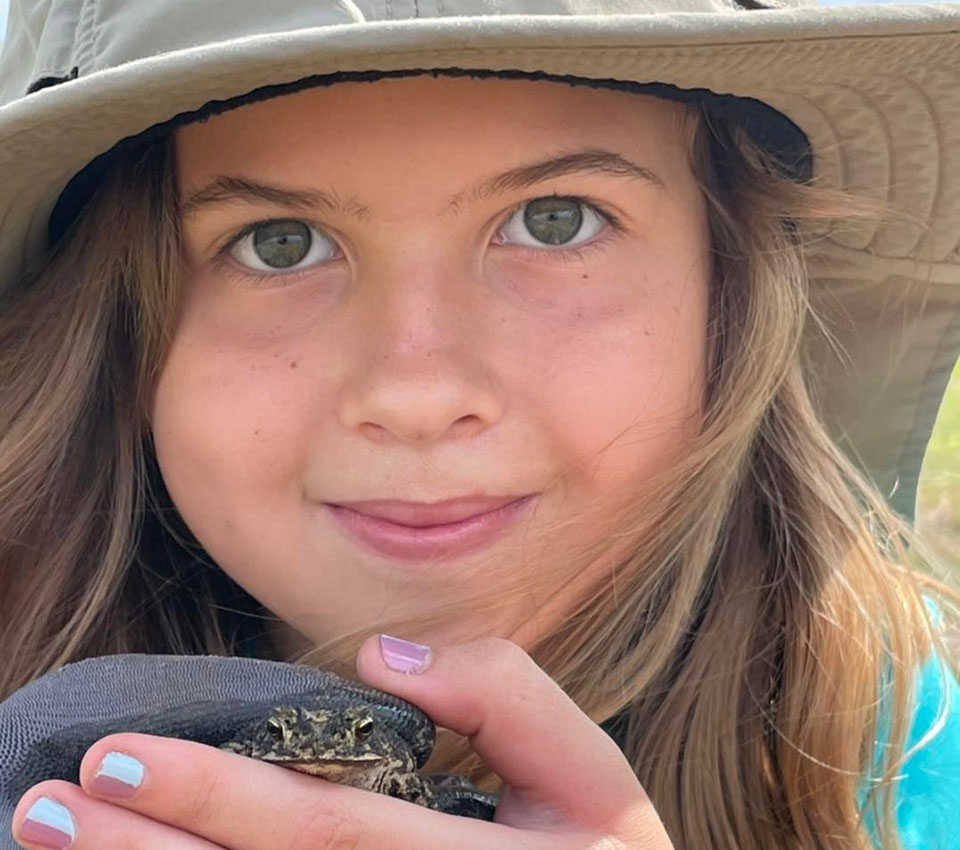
column 222, row 261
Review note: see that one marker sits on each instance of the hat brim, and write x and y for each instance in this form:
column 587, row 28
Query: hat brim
column 877, row 92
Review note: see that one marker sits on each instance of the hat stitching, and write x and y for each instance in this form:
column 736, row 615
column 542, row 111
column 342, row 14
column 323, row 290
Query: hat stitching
column 891, row 185
column 353, row 10
column 948, row 257
column 683, row 53
column 939, row 136
column 819, row 43
column 89, row 12
column 83, row 46
column 846, row 263
column 818, row 40
column 825, row 122
column 816, row 45
column 872, row 105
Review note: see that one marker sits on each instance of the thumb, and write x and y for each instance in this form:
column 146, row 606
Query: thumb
column 516, row 717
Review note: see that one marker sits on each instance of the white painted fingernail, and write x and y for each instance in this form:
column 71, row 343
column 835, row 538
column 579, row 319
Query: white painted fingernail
column 48, row 824
column 118, row 775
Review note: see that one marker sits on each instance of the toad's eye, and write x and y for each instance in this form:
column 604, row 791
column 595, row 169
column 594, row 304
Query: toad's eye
column 275, row 728
column 553, row 220
column 275, row 246
column 363, row 727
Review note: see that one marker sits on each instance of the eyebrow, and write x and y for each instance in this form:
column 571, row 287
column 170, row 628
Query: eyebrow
column 227, row 189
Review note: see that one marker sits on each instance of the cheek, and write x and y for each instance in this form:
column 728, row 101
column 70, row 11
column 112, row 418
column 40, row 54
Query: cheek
column 622, row 391
column 229, row 421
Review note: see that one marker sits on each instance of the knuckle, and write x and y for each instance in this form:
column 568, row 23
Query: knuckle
column 507, row 653
column 507, row 661
column 325, row 826
column 610, row 842
column 198, row 801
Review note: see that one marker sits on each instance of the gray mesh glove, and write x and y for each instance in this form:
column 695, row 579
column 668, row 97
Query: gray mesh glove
column 46, row 726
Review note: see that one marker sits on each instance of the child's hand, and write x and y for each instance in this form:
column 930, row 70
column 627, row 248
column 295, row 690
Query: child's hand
column 569, row 784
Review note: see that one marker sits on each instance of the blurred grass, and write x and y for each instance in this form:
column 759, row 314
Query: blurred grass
column 938, row 494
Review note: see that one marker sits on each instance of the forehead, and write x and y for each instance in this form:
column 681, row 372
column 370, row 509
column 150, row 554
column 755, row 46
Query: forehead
column 411, row 130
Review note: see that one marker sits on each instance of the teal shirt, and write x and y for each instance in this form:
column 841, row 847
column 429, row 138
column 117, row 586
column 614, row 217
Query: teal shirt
column 927, row 797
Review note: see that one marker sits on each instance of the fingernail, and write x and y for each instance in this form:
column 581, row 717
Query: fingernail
column 48, row 824
column 404, row 656
column 118, row 775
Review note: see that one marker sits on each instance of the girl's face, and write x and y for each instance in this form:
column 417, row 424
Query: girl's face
column 420, row 289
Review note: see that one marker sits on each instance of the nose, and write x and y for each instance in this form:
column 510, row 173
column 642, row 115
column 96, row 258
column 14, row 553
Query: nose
column 422, row 369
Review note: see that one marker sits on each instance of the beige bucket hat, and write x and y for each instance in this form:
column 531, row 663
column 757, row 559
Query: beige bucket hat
column 871, row 93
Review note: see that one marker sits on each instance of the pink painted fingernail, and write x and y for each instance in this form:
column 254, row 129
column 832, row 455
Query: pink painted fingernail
column 404, row 656
column 48, row 824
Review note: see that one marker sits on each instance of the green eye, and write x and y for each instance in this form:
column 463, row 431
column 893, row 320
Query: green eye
column 363, row 727
column 554, row 221
column 281, row 244
column 275, row 728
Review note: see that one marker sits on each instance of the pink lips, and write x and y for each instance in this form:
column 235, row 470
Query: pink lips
column 415, row 532
column 422, row 514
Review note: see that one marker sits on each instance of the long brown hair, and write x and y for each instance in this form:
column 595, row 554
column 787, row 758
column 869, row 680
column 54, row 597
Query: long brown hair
column 756, row 596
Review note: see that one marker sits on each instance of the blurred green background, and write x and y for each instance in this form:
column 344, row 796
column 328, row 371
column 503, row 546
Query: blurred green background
column 938, row 496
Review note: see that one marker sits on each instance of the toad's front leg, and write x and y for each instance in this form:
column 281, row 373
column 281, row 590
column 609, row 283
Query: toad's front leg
column 456, row 795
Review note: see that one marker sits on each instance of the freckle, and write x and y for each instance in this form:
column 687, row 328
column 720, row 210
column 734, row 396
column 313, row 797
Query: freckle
column 293, row 364
column 584, row 276
column 256, row 432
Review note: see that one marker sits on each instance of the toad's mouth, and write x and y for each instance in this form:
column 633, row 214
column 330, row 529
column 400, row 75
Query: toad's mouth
column 335, row 769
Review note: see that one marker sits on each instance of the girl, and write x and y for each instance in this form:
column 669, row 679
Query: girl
column 514, row 364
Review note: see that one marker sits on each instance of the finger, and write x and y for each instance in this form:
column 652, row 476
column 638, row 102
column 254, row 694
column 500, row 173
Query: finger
column 245, row 804
column 58, row 814
column 518, row 720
